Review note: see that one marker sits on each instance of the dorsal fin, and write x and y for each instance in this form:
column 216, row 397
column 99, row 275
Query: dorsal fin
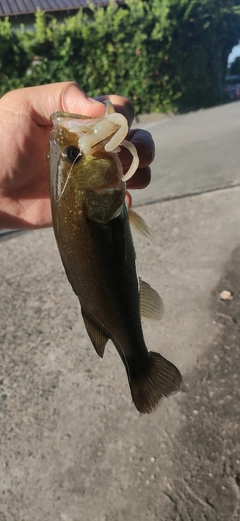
column 138, row 223
column 151, row 304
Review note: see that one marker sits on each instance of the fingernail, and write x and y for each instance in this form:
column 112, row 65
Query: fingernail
column 74, row 99
column 95, row 101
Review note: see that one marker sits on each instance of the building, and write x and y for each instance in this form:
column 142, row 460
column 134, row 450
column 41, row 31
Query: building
column 23, row 10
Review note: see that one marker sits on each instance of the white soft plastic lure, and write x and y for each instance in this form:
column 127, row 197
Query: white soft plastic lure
column 108, row 133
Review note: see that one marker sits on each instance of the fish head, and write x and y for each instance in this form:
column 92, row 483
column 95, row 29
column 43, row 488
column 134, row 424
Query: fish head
column 72, row 168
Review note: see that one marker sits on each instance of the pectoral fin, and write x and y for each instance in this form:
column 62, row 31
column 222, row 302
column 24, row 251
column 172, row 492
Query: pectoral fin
column 151, row 304
column 138, row 223
column 98, row 338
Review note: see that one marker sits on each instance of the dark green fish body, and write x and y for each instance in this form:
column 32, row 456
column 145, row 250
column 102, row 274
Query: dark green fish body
column 91, row 225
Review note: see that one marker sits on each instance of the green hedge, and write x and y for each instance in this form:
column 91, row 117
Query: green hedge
column 163, row 54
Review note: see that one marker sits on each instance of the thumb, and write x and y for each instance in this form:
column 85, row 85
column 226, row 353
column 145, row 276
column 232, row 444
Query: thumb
column 38, row 103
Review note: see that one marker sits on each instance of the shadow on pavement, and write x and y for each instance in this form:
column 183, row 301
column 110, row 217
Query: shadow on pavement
column 209, row 443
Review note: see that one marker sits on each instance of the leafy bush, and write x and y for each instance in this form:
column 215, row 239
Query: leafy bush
column 235, row 66
column 14, row 61
column 163, row 54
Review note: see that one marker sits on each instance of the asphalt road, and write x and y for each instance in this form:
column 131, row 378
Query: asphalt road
column 72, row 445
column 197, row 152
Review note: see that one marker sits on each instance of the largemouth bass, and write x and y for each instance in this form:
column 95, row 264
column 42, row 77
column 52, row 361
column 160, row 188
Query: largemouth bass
column 91, row 226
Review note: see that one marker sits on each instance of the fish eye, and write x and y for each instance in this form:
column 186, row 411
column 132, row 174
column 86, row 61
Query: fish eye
column 73, row 154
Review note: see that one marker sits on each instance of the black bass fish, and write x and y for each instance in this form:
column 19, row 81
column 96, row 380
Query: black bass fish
column 91, row 226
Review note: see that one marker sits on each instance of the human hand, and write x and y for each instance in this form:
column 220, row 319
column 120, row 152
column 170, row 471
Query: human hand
column 24, row 136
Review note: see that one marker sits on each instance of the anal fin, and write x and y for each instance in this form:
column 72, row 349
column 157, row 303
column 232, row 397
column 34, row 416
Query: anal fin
column 97, row 337
column 151, row 304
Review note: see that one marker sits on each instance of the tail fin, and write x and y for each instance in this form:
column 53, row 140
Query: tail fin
column 161, row 378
